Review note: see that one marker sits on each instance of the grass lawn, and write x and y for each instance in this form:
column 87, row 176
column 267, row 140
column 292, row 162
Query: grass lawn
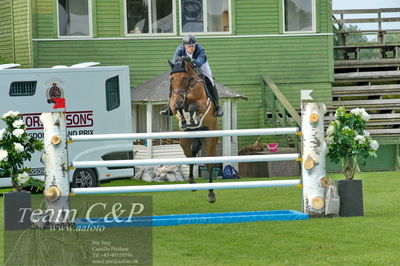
column 370, row 240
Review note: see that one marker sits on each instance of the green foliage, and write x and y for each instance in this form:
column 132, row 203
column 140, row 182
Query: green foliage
column 348, row 140
column 16, row 146
column 355, row 38
column 392, row 38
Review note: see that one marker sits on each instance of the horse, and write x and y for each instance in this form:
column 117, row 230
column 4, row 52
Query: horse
column 194, row 112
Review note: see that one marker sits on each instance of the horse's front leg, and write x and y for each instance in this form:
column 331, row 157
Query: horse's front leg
column 193, row 109
column 210, row 145
column 191, row 176
column 211, row 196
column 182, row 118
column 190, row 148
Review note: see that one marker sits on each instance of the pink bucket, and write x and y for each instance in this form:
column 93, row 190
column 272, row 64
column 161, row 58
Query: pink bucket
column 273, row 147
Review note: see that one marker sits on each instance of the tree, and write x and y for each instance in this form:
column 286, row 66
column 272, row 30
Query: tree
column 393, row 38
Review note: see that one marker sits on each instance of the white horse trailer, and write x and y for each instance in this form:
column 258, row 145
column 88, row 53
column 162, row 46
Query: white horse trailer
column 97, row 102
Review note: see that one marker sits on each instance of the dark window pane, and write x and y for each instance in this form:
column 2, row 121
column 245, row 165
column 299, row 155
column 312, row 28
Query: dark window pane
column 138, row 16
column 73, row 17
column 162, row 17
column 192, row 15
column 120, row 155
column 298, row 15
column 112, row 93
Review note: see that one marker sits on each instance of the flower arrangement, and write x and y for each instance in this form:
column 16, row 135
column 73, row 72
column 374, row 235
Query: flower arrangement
column 348, row 140
column 16, row 146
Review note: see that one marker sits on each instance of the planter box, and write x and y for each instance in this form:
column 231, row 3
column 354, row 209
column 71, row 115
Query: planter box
column 14, row 202
column 351, row 198
column 270, row 169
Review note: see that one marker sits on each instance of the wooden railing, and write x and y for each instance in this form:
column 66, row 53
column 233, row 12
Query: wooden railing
column 341, row 21
column 277, row 103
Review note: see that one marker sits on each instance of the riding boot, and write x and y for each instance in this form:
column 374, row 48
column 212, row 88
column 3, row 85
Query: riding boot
column 167, row 110
column 218, row 112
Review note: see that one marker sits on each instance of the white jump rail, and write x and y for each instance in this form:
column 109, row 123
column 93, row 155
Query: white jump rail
column 182, row 187
column 186, row 134
column 195, row 160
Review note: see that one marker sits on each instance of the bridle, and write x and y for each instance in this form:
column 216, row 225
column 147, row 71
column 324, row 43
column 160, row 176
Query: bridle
column 183, row 92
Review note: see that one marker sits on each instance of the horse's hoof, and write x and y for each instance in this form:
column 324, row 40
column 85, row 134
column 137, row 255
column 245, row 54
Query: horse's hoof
column 211, row 198
column 193, row 124
column 192, row 182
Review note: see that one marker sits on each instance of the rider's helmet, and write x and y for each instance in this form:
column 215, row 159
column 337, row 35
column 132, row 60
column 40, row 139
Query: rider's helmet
column 189, row 39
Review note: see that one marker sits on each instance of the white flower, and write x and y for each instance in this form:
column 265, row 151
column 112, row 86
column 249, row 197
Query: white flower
column 3, row 155
column 360, row 139
column 355, row 111
column 2, row 131
column 18, row 147
column 365, row 116
column 361, row 112
column 366, row 133
column 11, row 114
column 18, row 132
column 374, row 145
column 18, row 123
column 345, row 128
column 23, row 178
column 329, row 140
column 330, row 130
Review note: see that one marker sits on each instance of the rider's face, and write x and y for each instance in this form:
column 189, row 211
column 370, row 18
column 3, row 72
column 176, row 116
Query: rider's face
column 190, row 48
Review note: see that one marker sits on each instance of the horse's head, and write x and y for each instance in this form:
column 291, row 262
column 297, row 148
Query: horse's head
column 181, row 78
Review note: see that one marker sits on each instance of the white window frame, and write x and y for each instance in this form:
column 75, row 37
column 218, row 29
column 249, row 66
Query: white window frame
column 204, row 32
column 313, row 21
column 90, row 17
column 150, row 18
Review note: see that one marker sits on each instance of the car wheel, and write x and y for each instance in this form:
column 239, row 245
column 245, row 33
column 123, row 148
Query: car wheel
column 85, row 178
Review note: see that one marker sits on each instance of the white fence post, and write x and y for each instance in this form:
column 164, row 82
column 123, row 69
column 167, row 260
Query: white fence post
column 55, row 163
column 313, row 158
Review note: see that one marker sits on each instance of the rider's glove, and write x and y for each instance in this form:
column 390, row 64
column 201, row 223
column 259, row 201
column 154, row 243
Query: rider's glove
column 188, row 58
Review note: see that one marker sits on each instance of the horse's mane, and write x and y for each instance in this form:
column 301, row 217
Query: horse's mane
column 179, row 65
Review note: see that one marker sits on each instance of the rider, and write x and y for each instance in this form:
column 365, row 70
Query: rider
column 196, row 54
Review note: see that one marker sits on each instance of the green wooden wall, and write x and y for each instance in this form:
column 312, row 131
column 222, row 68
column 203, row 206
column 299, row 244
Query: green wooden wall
column 259, row 46
column 6, row 36
column 16, row 32
column 23, row 32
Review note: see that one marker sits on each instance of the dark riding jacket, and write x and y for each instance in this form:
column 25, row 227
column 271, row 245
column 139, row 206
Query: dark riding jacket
column 199, row 55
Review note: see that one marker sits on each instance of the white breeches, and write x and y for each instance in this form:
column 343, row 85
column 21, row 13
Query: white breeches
column 206, row 70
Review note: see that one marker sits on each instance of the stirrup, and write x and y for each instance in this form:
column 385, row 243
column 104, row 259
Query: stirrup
column 218, row 112
column 167, row 111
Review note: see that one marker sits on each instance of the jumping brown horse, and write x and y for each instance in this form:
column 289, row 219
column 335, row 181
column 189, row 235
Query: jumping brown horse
column 194, row 111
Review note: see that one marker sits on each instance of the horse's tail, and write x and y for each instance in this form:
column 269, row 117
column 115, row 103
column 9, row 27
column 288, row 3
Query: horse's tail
column 195, row 147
